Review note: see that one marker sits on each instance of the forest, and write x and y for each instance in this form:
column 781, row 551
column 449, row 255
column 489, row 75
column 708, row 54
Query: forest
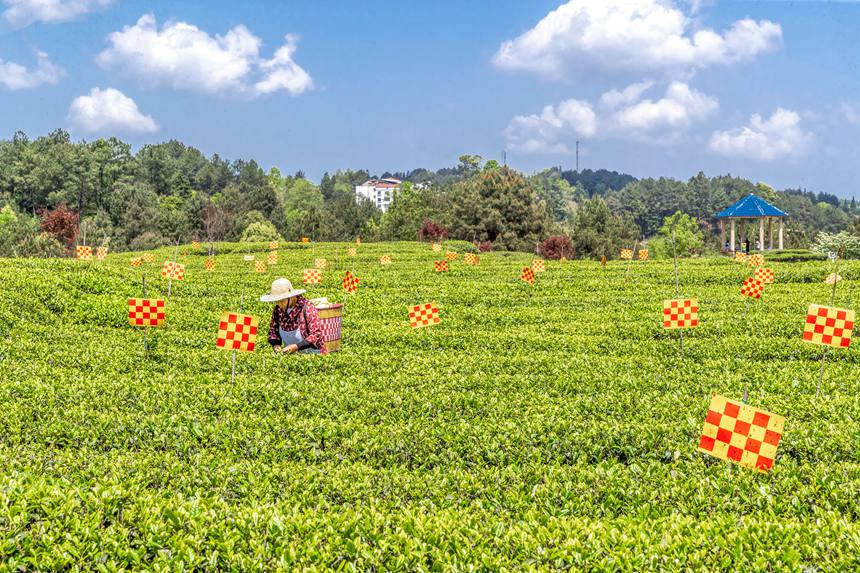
column 55, row 192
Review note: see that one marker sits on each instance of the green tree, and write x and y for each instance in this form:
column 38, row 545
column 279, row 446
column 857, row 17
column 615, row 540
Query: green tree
column 597, row 231
column 688, row 237
column 499, row 206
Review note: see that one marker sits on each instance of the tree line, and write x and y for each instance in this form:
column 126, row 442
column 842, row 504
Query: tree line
column 53, row 190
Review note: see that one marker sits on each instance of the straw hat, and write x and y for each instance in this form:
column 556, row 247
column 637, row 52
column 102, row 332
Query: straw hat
column 281, row 289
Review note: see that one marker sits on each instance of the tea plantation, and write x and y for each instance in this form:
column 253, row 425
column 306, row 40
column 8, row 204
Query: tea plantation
column 546, row 427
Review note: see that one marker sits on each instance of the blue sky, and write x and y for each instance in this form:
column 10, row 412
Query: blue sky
column 649, row 87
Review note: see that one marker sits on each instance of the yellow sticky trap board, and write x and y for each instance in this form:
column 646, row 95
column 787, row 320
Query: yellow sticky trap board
column 147, row 257
column 145, row 312
column 538, row 266
column 350, row 252
column 248, row 258
column 424, row 315
column 260, row 267
column 643, row 254
column 437, row 248
column 237, row 332
column 740, row 433
column 101, row 253
column 135, row 262
column 84, row 253
column 209, row 264
column 764, row 275
column 626, row 254
column 306, row 240
column 740, row 257
column 681, row 313
column 752, row 288
column 829, row 326
column 195, row 245
column 350, row 282
column 755, row 260
column 173, row 270
column 385, row 260
column 273, row 245
column 440, row 266
column 832, row 278
column 528, row 275
column 320, row 263
column 450, row 255
column 472, row 259
column 272, row 258
column 312, row 276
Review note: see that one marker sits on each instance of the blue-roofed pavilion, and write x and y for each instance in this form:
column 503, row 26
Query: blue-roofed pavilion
column 752, row 207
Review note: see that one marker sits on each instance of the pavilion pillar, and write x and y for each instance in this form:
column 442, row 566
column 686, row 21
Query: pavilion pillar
column 733, row 234
column 761, row 234
column 743, row 234
column 780, row 234
column 722, row 233
column 770, row 231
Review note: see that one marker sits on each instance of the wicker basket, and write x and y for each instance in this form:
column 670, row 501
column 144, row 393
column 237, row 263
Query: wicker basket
column 331, row 317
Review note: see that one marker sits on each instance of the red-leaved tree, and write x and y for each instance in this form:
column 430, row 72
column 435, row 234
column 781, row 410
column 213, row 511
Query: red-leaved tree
column 431, row 231
column 556, row 247
column 62, row 223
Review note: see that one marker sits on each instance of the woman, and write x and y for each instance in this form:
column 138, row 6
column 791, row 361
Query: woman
column 295, row 325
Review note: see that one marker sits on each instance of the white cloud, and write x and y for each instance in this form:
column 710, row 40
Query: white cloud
column 109, row 110
column 622, row 115
column 680, row 107
column 778, row 137
column 188, row 58
column 631, row 35
column 17, row 77
column 25, row 12
column 851, row 113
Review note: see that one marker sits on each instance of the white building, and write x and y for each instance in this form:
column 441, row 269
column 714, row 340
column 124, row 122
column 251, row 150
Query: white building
column 379, row 191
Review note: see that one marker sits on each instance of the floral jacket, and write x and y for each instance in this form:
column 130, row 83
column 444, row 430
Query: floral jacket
column 302, row 316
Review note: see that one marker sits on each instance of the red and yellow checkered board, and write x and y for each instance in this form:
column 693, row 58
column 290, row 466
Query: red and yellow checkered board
column 528, row 275
column 440, row 266
column 145, row 312
column 538, row 265
column 350, row 282
column 260, row 267
column 135, row 262
column 424, row 315
column 272, row 258
column 312, row 276
column 626, row 254
column 740, row 433
column 209, row 264
column 320, row 263
column 450, row 255
column 681, row 313
column 273, row 245
column 147, row 257
column 350, row 252
column 740, row 257
column 643, row 254
column 755, row 260
column 101, row 253
column 195, row 245
column 472, row 259
column 829, row 326
column 84, row 253
column 237, row 332
column 173, row 270
column 752, row 287
column 437, row 247
column 385, row 260
column 764, row 275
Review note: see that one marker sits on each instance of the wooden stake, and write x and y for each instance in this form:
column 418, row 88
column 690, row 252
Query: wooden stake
column 677, row 292
column 172, row 272
column 146, row 332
